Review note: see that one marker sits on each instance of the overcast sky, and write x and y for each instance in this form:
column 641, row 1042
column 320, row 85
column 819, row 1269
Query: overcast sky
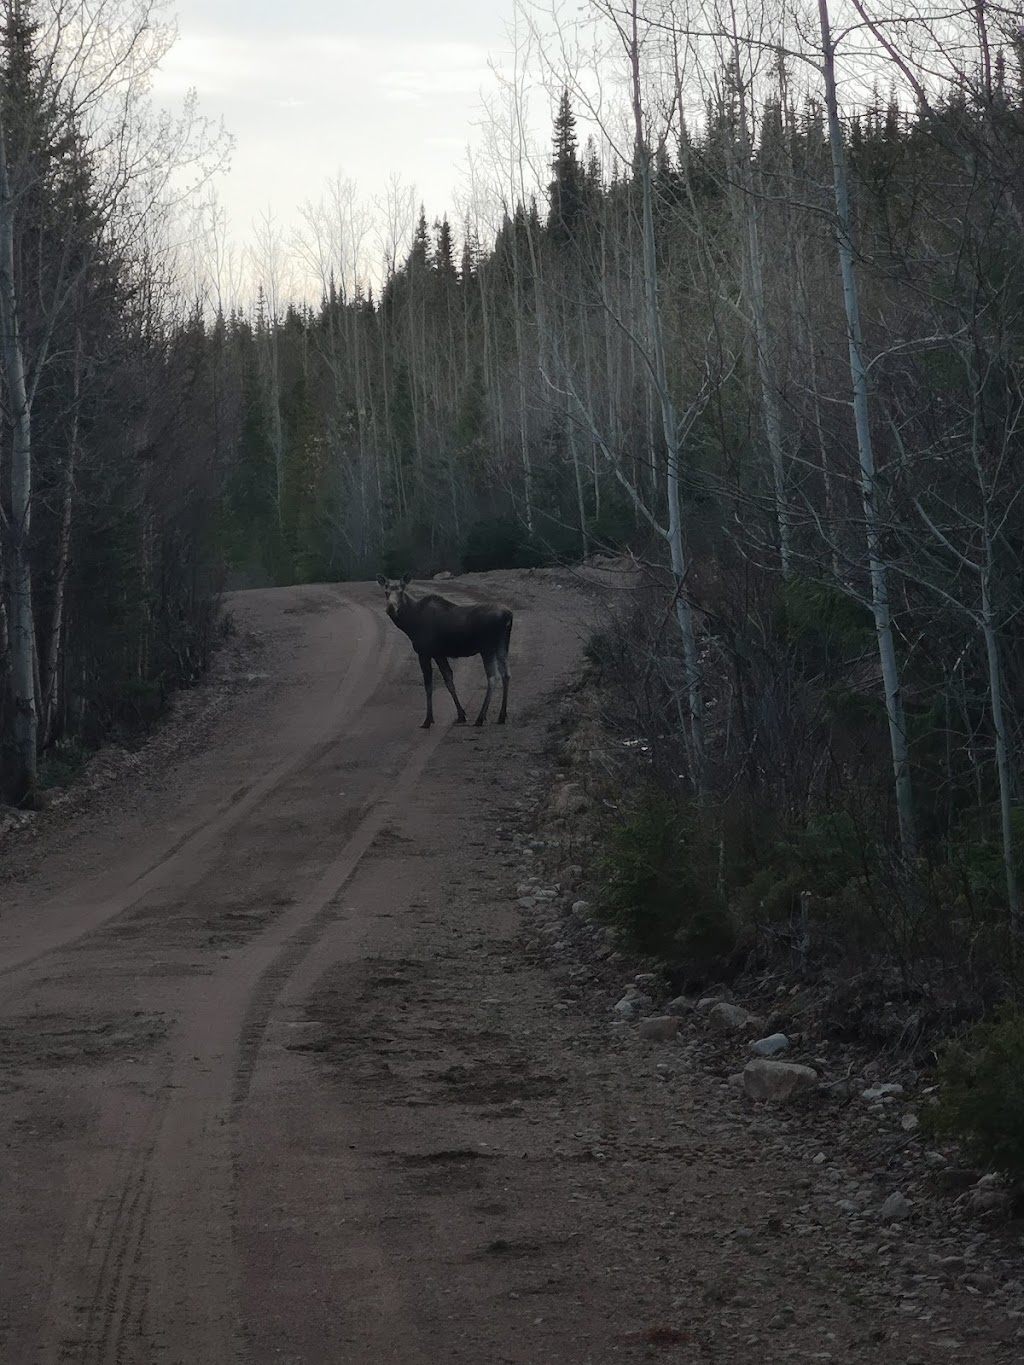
column 312, row 88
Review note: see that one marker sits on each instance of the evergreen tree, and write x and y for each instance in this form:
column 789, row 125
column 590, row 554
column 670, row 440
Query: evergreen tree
column 566, row 194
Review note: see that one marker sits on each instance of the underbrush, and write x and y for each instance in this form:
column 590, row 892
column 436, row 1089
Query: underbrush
column 981, row 1092
column 786, row 866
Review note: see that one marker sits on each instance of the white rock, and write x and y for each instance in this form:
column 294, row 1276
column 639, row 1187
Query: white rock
column 878, row 1092
column 728, row 1018
column 568, row 799
column 772, row 1046
column 581, row 909
column 707, row 1002
column 767, row 1080
column 909, row 1122
column 632, row 1004
column 894, row 1208
column 680, row 1006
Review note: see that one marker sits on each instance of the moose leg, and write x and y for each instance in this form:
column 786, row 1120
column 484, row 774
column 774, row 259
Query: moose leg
column 428, row 687
column 449, row 682
column 492, row 677
column 503, row 669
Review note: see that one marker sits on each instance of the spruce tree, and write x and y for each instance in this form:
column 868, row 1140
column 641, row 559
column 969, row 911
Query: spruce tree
column 566, row 191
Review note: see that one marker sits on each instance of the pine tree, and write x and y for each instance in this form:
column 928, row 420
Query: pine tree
column 566, row 191
column 444, row 252
column 419, row 253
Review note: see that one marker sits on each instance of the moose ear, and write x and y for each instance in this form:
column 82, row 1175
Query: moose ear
column 382, row 580
column 406, row 579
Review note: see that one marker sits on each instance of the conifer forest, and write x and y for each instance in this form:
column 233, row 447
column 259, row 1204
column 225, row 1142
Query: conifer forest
column 759, row 325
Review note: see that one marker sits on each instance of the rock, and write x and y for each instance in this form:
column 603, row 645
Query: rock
column 440, row 577
column 568, row 799
column 733, row 1019
column 581, row 909
column 953, row 1178
column 987, row 1200
column 909, row 1122
column 767, row 1080
column 772, row 1046
column 981, row 1281
column 879, row 1092
column 736, row 1080
column 659, row 1028
column 645, row 979
column 707, row 1002
column 632, row 1004
column 680, row 1006
column 895, row 1208
column 571, row 876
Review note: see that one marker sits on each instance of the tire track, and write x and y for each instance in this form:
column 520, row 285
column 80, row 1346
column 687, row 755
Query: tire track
column 181, row 863
column 161, row 1190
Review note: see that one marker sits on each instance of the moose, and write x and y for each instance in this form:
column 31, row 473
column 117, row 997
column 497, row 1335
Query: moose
column 441, row 630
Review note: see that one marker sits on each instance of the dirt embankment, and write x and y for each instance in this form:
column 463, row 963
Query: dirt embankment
column 289, row 1074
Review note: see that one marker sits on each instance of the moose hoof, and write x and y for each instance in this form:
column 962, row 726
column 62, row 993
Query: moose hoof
column 460, row 720
column 426, row 725
column 501, row 720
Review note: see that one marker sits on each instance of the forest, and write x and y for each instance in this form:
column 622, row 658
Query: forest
column 761, row 329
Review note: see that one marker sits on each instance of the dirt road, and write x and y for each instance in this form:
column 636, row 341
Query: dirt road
column 279, row 1083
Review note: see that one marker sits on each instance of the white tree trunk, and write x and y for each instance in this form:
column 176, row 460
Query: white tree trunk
column 671, row 432
column 21, row 617
column 877, row 568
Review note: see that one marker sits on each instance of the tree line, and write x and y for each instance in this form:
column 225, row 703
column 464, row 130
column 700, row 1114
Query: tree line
column 107, row 503
column 767, row 341
column 773, row 348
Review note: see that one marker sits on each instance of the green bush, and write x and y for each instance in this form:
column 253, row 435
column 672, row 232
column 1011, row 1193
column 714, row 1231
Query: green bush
column 658, row 881
column 61, row 764
column 499, row 543
column 981, row 1092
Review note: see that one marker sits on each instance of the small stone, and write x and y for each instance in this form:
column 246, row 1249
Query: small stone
column 767, row 1080
column 680, row 1006
column 659, row 1028
column 987, row 1200
column 736, row 1080
column 820, row 1159
column 878, row 1092
column 772, row 1046
column 894, row 1208
column 581, row 909
column 909, row 1122
column 733, row 1019
column 632, row 1004
column 707, row 1002
column 568, row 799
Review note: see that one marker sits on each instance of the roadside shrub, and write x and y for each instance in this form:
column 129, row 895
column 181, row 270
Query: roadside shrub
column 497, row 543
column 658, row 883
column 981, row 1092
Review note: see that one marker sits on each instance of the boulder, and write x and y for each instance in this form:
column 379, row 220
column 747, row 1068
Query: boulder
column 728, row 1018
column 767, row 1080
column 772, row 1046
column 659, row 1028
